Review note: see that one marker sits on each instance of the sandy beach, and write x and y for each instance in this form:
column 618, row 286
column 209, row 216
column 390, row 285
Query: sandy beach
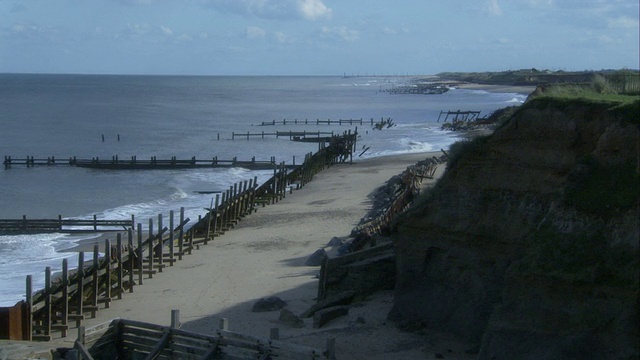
column 265, row 254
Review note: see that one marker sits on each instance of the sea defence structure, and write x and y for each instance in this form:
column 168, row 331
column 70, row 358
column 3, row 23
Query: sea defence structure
column 137, row 254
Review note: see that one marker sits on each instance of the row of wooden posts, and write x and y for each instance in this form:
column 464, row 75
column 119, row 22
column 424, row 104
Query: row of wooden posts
column 317, row 122
column 116, row 162
column 75, row 294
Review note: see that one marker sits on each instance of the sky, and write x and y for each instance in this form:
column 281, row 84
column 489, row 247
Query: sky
column 315, row 37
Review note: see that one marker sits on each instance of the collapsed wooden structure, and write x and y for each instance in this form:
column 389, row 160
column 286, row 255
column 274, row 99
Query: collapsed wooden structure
column 466, row 116
column 129, row 339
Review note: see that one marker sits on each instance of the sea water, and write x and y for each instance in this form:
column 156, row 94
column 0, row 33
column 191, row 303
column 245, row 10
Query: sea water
column 91, row 116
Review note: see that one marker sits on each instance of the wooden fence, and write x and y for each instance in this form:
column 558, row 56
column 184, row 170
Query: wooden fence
column 115, row 163
column 26, row 226
column 74, row 294
column 317, row 122
column 128, row 339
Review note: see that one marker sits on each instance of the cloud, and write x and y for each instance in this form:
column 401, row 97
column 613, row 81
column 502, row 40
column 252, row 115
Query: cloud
column 493, row 8
column 313, row 9
column 273, row 9
column 341, row 32
column 254, row 32
column 624, row 22
column 282, row 37
column 166, row 30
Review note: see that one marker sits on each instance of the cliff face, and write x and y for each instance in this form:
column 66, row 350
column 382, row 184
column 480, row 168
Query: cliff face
column 528, row 245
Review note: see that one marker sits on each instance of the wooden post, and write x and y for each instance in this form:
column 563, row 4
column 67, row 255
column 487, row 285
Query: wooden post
column 274, row 334
column 95, row 222
column 150, row 248
column 160, row 244
column 47, row 302
column 81, row 335
column 64, row 311
column 224, row 324
column 131, row 258
column 181, row 235
column 29, row 300
column 94, row 283
column 171, row 238
column 140, row 252
column 120, row 269
column 175, row 318
column 80, row 292
column 107, row 268
column 214, row 221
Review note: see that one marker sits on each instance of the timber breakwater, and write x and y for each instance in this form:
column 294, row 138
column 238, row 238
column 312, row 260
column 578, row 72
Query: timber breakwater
column 121, row 264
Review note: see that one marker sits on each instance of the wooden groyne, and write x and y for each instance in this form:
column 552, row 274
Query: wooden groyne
column 420, row 88
column 30, row 226
column 128, row 339
column 74, row 294
column 458, row 115
column 292, row 135
column 116, row 163
column 360, row 121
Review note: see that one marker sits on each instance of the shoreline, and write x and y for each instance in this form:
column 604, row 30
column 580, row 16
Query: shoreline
column 265, row 256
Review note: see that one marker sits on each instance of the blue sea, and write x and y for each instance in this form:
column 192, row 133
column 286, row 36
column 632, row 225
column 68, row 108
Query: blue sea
column 182, row 116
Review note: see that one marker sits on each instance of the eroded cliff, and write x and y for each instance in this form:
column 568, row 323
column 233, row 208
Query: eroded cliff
column 528, row 245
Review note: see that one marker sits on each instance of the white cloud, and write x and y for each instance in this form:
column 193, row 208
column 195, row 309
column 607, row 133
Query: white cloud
column 623, row 22
column 341, row 32
column 274, row 9
column 281, row 37
column 313, row 9
column 254, row 32
column 493, row 8
column 166, row 30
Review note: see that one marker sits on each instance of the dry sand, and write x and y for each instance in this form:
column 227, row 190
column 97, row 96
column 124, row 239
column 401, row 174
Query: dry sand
column 264, row 255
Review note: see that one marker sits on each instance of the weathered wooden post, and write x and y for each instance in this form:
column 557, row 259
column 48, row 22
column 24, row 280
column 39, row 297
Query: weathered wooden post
column 171, row 238
column 94, row 284
column 79, row 316
column 107, row 268
column 181, row 235
column 175, row 318
column 150, row 239
column 119, row 270
column 140, row 252
column 64, row 310
column 160, row 243
column 47, row 305
column 131, row 258
column 29, row 300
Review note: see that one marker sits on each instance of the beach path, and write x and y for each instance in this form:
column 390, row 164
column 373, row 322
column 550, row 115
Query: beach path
column 264, row 255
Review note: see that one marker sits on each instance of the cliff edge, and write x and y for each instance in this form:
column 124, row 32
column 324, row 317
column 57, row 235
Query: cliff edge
column 528, row 245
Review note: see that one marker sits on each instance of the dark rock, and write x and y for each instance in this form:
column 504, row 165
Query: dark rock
column 342, row 298
column 316, row 258
column 321, row 317
column 271, row 303
column 335, row 241
column 289, row 318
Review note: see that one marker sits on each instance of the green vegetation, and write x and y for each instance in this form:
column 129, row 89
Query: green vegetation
column 465, row 147
column 623, row 81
